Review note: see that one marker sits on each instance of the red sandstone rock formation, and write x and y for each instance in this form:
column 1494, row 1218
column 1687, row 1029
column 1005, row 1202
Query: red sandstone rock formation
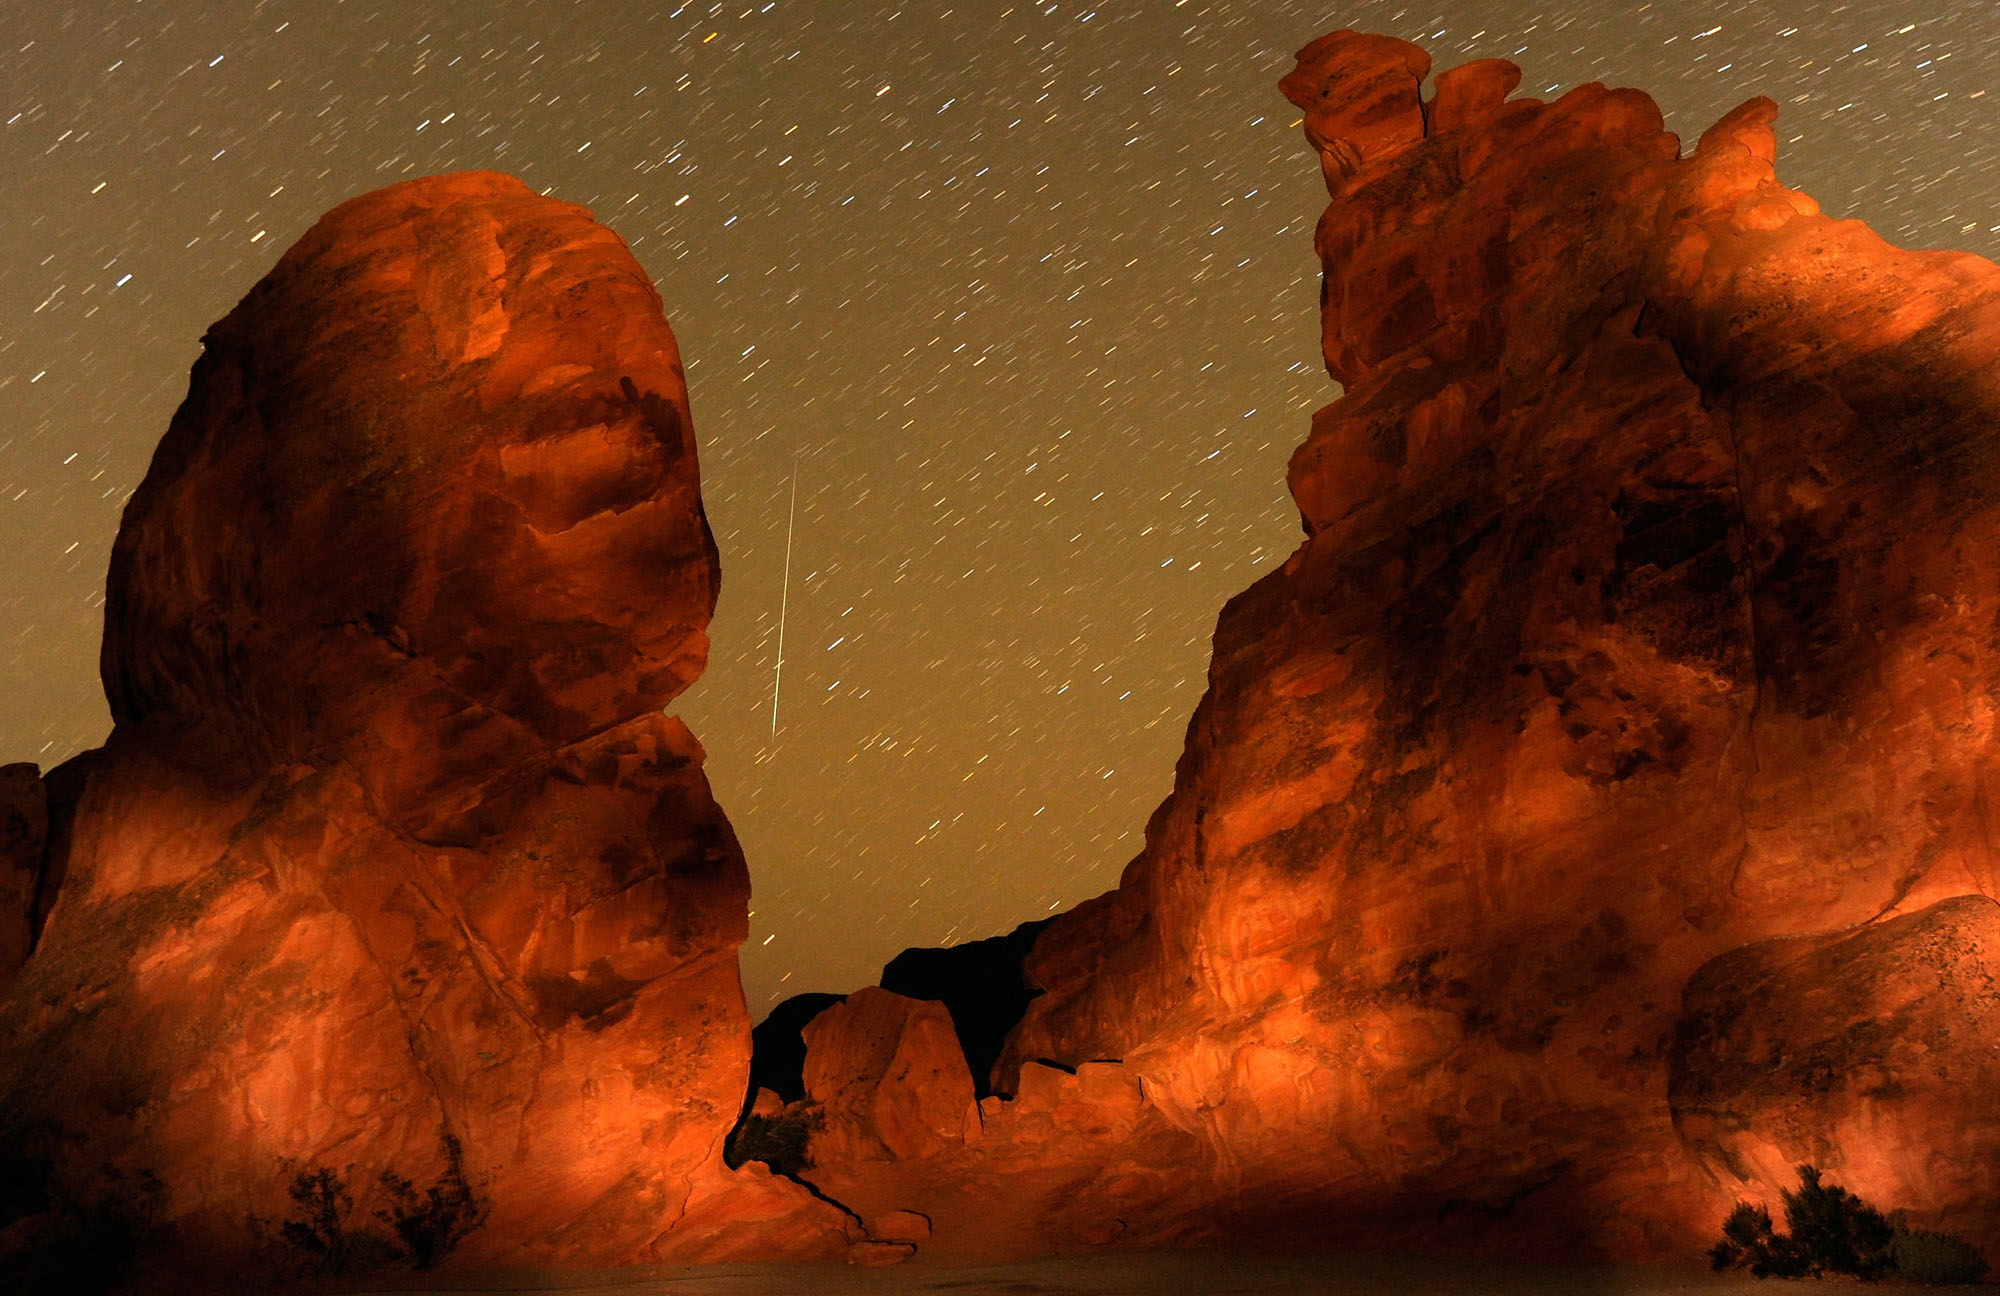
column 888, row 1079
column 392, row 864
column 1879, row 1038
column 1635, row 684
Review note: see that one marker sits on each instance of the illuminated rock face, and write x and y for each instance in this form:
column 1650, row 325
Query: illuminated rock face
column 1645, row 618
column 392, row 848
column 1879, row 1038
column 888, row 1078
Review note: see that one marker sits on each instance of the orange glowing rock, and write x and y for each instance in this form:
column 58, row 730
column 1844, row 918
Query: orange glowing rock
column 878, row 1255
column 900, row 1226
column 888, row 1077
column 1873, row 1047
column 392, row 849
column 1634, row 683
column 1587, row 824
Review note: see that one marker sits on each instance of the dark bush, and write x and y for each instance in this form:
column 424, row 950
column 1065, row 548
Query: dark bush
column 781, row 1142
column 430, row 1223
column 1749, row 1242
column 427, row 1224
column 1936, row 1259
column 1835, row 1231
column 317, row 1233
column 1831, row 1231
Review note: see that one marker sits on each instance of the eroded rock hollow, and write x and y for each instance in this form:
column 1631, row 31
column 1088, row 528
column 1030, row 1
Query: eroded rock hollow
column 392, row 868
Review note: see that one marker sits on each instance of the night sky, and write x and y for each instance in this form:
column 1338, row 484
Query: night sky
column 1024, row 293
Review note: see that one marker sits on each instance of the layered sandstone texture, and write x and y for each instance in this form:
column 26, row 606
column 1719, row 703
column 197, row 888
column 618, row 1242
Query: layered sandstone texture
column 392, row 866
column 1593, row 818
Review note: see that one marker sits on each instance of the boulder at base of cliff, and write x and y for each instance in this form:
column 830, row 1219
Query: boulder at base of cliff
column 889, row 1079
column 1867, row 1053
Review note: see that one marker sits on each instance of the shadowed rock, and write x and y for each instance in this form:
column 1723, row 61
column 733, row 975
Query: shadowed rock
column 24, row 827
column 979, row 983
column 778, row 1047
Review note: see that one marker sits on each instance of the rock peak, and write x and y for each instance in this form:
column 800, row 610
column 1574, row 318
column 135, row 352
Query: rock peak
column 439, row 460
column 1362, row 96
column 1616, row 722
column 392, row 869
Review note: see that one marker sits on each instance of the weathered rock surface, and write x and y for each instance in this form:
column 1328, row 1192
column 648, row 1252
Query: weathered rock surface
column 1645, row 619
column 1873, row 1045
column 888, row 1079
column 871, row 1254
column 753, row 1214
column 1072, row 1162
column 392, row 864
column 900, row 1226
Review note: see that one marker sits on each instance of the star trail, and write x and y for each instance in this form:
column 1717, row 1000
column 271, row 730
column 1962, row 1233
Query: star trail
column 1023, row 294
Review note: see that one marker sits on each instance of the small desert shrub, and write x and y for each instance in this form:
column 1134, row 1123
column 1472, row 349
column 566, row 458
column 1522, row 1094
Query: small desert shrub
column 781, row 1142
column 1749, row 1242
column 317, row 1232
column 1829, row 1230
column 1936, row 1259
column 1835, row 1231
column 427, row 1224
column 430, row 1223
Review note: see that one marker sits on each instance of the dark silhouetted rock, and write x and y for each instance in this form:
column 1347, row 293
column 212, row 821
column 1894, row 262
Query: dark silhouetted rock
column 979, row 982
column 24, row 827
column 778, row 1050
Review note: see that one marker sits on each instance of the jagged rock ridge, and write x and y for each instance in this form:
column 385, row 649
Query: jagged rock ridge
column 1628, row 710
column 1587, row 824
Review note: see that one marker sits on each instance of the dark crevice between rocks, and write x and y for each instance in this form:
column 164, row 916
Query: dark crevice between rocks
column 840, row 1206
column 981, row 984
column 778, row 1047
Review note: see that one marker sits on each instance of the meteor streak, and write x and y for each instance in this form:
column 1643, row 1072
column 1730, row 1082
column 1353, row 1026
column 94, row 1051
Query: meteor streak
column 785, row 598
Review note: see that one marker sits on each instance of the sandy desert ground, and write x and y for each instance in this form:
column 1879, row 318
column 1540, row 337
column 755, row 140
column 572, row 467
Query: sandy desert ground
column 1196, row 1274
